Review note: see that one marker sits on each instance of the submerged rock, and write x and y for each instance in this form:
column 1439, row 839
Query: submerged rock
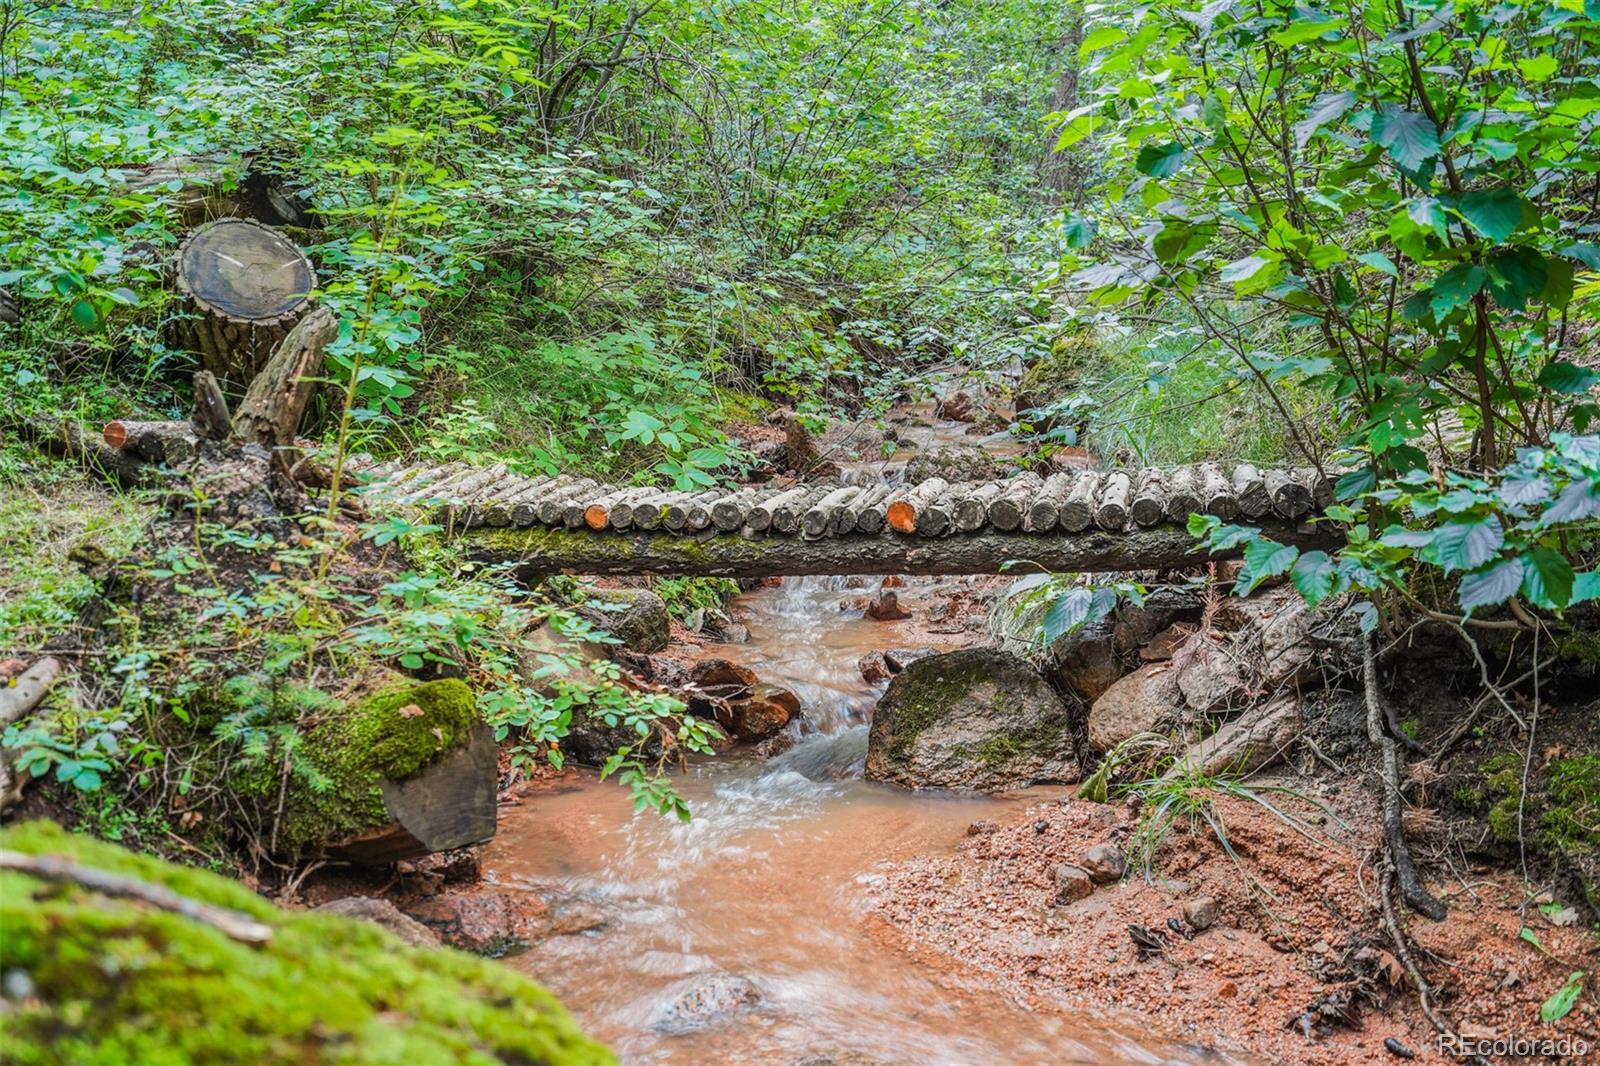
column 706, row 1000
column 764, row 712
column 973, row 719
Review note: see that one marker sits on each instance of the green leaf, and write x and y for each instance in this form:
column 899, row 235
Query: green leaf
column 84, row 315
column 1325, row 109
column 1455, row 287
column 1353, row 484
column 1379, row 262
column 1584, row 252
column 1495, row 213
column 1263, row 558
column 1069, row 612
column 1410, row 137
column 1568, row 379
column 1077, row 230
column 1308, row 25
column 1491, row 585
column 1160, row 161
column 1585, row 587
column 1560, row 1005
column 1101, row 37
column 1314, row 575
column 1516, row 275
column 1547, row 578
column 1538, row 68
column 1467, row 545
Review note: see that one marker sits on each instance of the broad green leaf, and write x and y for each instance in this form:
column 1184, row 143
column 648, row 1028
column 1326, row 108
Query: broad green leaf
column 1491, row 585
column 1565, row 998
column 1263, row 558
column 1495, row 213
column 1467, row 545
column 1325, row 109
column 1307, row 26
column 84, row 315
column 1353, row 484
column 1077, row 230
column 1585, row 587
column 1456, row 287
column 1379, row 262
column 1566, row 378
column 1314, row 575
column 1538, row 68
column 1160, row 161
column 1410, row 137
column 1100, row 38
column 1547, row 578
column 1584, row 252
column 1516, row 276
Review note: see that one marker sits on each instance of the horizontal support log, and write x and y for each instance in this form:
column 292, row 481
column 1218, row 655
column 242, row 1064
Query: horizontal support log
column 540, row 552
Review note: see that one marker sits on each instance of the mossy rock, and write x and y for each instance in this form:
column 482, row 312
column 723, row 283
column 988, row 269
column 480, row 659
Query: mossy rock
column 400, row 770
column 636, row 617
column 975, row 719
column 114, row 982
column 1051, row 378
column 1558, row 816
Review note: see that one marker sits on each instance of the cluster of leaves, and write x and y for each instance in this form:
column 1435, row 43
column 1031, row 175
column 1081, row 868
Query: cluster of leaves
column 1513, row 534
column 1406, row 191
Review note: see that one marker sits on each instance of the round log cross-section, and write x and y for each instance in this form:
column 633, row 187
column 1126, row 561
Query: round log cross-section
column 247, row 285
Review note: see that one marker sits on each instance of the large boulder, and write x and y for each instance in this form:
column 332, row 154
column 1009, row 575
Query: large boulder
column 392, row 769
column 973, row 719
column 90, row 978
column 637, row 617
column 1146, row 701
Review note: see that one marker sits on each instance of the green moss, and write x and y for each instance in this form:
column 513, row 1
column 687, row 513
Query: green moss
column 377, row 738
column 1056, row 375
column 950, row 678
column 1572, row 821
column 115, row 982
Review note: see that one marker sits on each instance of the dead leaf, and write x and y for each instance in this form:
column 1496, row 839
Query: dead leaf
column 411, row 710
column 1564, row 917
column 438, row 734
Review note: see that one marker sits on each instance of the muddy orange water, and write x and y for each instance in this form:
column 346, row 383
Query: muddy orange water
column 773, row 880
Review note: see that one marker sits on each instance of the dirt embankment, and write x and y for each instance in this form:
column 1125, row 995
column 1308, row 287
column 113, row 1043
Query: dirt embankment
column 1296, row 968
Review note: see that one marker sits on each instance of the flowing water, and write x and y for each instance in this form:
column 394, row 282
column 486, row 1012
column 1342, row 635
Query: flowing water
column 772, row 881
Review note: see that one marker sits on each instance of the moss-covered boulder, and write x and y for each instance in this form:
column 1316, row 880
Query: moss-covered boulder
column 1053, row 377
column 395, row 769
column 637, row 617
column 92, row 980
column 974, row 719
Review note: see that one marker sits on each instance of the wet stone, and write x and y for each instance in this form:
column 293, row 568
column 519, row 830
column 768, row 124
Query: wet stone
column 1072, row 883
column 1105, row 863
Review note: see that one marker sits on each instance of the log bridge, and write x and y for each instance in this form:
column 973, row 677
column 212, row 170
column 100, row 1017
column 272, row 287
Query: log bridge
column 1084, row 521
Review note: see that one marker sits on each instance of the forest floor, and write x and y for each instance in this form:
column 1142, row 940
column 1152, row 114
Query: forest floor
column 1296, row 967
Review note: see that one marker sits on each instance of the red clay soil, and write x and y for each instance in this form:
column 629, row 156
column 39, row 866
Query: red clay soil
column 1300, row 929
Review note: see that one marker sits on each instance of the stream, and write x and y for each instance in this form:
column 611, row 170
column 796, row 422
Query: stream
column 773, row 879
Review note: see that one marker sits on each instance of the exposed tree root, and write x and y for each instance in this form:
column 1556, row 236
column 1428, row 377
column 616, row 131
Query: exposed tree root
column 1411, row 890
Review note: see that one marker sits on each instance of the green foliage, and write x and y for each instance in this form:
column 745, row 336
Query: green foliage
column 1396, row 188
column 686, row 595
column 1069, row 602
column 112, row 981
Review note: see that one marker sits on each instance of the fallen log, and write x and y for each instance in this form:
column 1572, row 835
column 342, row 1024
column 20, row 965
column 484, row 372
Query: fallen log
column 1077, row 510
column 1111, row 513
column 1216, row 493
column 540, row 552
column 173, row 443
column 17, row 701
column 68, row 439
column 1010, row 507
column 1250, row 489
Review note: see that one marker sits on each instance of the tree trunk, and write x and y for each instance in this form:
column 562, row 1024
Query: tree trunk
column 246, row 285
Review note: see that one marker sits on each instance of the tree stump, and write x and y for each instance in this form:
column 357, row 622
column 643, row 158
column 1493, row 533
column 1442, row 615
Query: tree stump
column 247, row 285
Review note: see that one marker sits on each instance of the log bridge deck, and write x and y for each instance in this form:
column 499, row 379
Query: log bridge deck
column 1085, row 521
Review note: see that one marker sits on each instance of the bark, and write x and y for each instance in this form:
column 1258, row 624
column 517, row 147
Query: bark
column 1290, row 498
column 1077, row 512
column 211, row 417
column 901, row 514
column 69, row 439
column 1011, row 506
column 1250, row 488
column 1216, row 493
column 276, row 400
column 1183, row 495
column 1111, row 513
column 173, row 443
column 545, row 551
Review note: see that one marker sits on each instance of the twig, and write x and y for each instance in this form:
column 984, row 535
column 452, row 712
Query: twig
column 230, row 923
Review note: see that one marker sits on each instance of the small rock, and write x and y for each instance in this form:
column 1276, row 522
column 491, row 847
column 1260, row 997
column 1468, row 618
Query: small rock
column 898, row 659
column 957, row 407
column 1201, row 913
column 721, row 679
column 893, row 581
column 706, row 1000
column 1072, row 883
column 1105, row 863
column 383, row 913
column 982, row 827
column 874, row 667
column 886, row 608
column 735, row 633
column 1040, row 826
